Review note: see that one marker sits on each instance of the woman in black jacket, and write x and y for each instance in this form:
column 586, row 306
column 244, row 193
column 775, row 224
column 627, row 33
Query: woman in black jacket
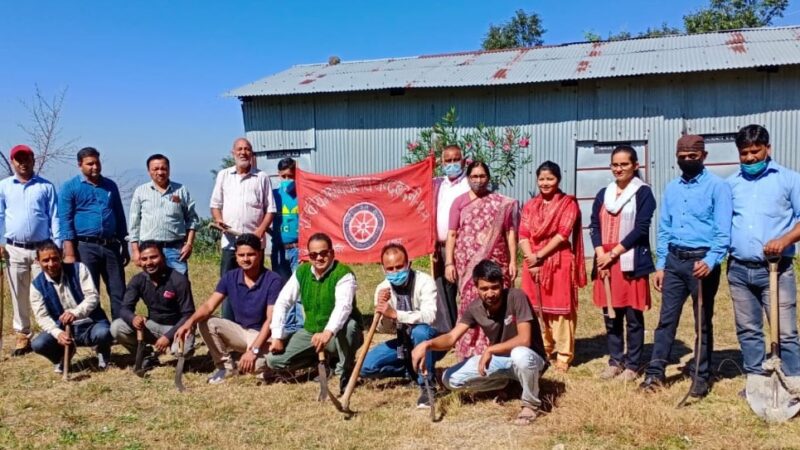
column 620, row 227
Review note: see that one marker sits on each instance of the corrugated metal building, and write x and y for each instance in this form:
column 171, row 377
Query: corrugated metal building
column 577, row 100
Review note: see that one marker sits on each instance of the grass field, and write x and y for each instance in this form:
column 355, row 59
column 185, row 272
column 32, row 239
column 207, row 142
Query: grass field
column 116, row 409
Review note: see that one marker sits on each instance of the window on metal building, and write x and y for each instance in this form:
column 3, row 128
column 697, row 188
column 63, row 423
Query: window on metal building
column 593, row 172
column 723, row 157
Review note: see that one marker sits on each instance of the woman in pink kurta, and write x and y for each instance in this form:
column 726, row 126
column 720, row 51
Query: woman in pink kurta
column 482, row 226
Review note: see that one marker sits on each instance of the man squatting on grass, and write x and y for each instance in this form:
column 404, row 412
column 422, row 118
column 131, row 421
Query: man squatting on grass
column 167, row 294
column 332, row 321
column 515, row 352
column 251, row 291
column 65, row 294
column 406, row 300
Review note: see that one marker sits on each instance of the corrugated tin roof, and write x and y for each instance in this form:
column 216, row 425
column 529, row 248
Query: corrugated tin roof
column 671, row 54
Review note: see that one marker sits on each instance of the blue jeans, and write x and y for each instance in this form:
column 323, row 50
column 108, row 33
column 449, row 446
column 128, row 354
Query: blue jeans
column 172, row 256
column 750, row 295
column 105, row 262
column 284, row 262
column 85, row 335
column 382, row 361
column 523, row 365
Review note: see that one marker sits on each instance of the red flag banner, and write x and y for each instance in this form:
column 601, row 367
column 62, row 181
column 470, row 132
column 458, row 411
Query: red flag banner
column 361, row 214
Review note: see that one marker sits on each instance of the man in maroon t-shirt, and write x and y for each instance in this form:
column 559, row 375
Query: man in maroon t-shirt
column 515, row 351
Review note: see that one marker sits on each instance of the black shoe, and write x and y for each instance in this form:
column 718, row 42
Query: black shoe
column 699, row 388
column 150, row 362
column 343, row 384
column 651, row 384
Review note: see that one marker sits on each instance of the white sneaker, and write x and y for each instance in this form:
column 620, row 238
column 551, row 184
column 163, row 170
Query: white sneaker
column 58, row 368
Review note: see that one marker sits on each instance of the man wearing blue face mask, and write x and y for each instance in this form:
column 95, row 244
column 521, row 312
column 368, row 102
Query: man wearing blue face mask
column 446, row 189
column 285, row 233
column 766, row 209
column 406, row 300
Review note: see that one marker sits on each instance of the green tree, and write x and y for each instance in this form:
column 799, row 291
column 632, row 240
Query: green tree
column 523, row 30
column 733, row 14
column 663, row 30
column 226, row 162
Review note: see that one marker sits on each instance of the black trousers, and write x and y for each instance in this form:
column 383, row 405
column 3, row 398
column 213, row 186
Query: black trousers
column 679, row 283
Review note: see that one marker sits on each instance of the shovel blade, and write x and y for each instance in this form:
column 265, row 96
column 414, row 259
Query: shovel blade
column 761, row 393
column 323, row 382
column 179, row 373
column 137, row 366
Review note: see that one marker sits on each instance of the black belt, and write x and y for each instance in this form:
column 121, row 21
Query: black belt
column 687, row 253
column 25, row 245
column 785, row 262
column 98, row 241
column 178, row 243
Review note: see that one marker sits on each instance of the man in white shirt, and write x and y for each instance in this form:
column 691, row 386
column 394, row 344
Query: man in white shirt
column 446, row 190
column 332, row 321
column 242, row 201
column 406, row 300
column 64, row 294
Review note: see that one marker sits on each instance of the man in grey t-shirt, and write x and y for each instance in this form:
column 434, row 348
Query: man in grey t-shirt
column 515, row 349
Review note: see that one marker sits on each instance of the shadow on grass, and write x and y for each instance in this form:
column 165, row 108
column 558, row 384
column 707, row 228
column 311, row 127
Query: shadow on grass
column 596, row 347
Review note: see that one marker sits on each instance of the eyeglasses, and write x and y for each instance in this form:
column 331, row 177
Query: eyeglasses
column 315, row 255
column 622, row 166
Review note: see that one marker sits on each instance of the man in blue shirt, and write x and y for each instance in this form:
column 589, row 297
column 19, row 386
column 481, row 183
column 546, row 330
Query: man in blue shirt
column 694, row 233
column 93, row 226
column 766, row 209
column 28, row 217
column 251, row 291
column 285, row 234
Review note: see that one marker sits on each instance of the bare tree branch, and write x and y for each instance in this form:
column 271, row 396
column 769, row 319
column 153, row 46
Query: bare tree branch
column 5, row 165
column 44, row 128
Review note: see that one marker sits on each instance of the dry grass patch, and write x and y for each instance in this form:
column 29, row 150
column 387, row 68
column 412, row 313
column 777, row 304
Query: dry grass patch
column 118, row 410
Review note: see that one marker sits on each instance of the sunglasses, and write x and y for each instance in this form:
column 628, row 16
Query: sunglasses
column 316, row 255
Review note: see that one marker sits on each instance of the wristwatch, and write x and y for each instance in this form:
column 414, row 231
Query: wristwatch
column 255, row 350
column 613, row 254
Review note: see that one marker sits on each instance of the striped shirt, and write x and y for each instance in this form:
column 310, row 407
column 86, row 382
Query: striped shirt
column 156, row 216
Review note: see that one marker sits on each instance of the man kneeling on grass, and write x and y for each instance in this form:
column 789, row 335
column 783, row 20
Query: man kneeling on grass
column 167, row 294
column 332, row 321
column 64, row 294
column 251, row 291
column 515, row 351
column 406, row 300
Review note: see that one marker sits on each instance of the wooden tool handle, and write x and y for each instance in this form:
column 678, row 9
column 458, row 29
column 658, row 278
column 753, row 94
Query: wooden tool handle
column 139, row 335
column 351, row 384
column 607, row 285
column 774, row 318
column 180, row 346
column 65, row 372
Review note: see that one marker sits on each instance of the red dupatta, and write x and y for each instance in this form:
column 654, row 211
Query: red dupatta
column 543, row 222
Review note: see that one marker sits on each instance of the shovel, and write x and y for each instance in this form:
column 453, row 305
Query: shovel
column 179, row 367
column 768, row 396
column 431, row 396
column 343, row 404
column 137, row 367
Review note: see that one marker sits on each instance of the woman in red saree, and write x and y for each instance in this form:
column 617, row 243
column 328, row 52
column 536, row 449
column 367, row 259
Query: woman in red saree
column 552, row 242
column 482, row 226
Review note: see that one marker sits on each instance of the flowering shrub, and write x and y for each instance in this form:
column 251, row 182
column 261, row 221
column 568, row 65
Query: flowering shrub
column 504, row 150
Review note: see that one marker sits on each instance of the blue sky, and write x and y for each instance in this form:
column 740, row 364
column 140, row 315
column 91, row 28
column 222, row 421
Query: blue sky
column 147, row 77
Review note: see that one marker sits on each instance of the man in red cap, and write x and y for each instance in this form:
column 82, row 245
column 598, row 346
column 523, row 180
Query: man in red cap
column 28, row 217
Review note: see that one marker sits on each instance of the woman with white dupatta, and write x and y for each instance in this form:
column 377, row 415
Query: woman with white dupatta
column 620, row 229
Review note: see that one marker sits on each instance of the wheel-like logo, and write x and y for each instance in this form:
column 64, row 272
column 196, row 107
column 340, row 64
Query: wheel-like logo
column 363, row 225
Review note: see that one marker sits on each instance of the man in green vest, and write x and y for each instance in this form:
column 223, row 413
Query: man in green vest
column 332, row 321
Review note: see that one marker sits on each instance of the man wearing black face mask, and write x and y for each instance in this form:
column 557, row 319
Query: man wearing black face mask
column 693, row 237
